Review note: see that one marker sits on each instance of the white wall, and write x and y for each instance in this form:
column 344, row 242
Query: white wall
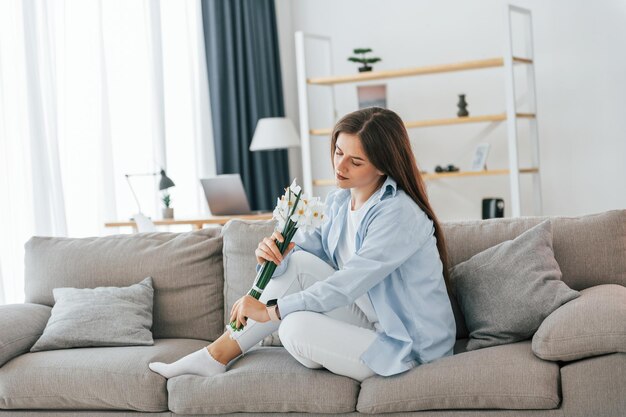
column 580, row 62
column 288, row 70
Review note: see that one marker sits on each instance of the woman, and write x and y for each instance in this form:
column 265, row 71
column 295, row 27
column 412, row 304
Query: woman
column 366, row 292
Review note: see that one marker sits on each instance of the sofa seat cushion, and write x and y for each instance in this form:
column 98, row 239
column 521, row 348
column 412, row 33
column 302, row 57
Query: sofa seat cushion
column 498, row 377
column 95, row 378
column 594, row 386
column 264, row 380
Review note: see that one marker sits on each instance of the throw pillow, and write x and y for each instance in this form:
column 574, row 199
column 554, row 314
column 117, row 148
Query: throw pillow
column 102, row 316
column 506, row 291
column 593, row 324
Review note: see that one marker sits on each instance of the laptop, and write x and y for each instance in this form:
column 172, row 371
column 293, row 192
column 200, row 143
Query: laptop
column 225, row 195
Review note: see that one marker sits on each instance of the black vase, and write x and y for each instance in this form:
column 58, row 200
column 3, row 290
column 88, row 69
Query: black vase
column 462, row 105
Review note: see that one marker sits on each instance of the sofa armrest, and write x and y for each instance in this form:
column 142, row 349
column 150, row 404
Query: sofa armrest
column 20, row 327
column 590, row 325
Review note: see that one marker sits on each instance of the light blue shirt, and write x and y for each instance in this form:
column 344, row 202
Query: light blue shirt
column 396, row 262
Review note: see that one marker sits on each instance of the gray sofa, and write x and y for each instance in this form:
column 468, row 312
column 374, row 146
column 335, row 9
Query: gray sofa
column 197, row 277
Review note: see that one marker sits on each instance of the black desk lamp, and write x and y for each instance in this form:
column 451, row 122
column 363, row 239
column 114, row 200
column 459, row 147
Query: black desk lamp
column 165, row 183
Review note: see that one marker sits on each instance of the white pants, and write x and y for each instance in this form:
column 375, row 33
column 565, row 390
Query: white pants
column 333, row 340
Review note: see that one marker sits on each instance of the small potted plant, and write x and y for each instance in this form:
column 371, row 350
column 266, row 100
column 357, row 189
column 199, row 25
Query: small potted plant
column 168, row 212
column 363, row 60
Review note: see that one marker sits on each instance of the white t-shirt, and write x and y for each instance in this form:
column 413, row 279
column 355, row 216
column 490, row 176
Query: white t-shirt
column 346, row 248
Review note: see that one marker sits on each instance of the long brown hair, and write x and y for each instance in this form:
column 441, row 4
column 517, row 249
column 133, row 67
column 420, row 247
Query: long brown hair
column 386, row 143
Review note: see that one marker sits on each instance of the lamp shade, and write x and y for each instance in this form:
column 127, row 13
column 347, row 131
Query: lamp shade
column 274, row 133
column 165, row 181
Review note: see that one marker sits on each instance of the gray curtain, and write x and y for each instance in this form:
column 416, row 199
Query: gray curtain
column 243, row 67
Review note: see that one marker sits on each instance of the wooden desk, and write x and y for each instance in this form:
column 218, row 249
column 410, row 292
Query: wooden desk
column 196, row 223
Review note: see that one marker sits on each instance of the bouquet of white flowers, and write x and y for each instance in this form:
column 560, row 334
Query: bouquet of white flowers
column 294, row 210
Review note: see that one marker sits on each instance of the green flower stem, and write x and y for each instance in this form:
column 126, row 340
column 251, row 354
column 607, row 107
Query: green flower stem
column 267, row 269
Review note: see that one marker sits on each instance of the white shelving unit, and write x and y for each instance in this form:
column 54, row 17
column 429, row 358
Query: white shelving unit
column 510, row 116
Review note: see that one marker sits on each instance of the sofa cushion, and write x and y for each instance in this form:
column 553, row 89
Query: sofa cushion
column 506, row 291
column 102, row 316
column 100, row 378
column 593, row 324
column 498, row 377
column 264, row 380
column 595, row 386
column 241, row 238
column 186, row 269
column 20, row 327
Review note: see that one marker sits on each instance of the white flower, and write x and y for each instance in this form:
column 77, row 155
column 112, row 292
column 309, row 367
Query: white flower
column 282, row 207
column 289, row 197
column 317, row 211
column 281, row 212
column 304, row 197
column 292, row 201
column 295, row 189
column 299, row 216
column 313, row 215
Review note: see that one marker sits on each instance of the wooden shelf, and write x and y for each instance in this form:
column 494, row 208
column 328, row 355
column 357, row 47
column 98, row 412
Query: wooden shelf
column 443, row 175
column 505, row 62
column 407, row 72
column 442, row 122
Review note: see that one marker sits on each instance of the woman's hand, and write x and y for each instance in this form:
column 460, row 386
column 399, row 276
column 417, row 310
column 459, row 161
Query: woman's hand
column 248, row 307
column 268, row 250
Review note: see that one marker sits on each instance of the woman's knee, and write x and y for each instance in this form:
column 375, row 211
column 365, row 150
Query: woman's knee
column 292, row 333
column 293, row 326
column 297, row 262
column 306, row 262
column 304, row 257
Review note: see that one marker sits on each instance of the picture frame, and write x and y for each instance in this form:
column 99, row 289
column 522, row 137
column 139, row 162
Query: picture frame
column 480, row 157
column 372, row 96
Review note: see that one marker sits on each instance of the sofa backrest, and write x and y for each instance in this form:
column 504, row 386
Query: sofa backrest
column 241, row 238
column 199, row 275
column 590, row 249
column 186, row 269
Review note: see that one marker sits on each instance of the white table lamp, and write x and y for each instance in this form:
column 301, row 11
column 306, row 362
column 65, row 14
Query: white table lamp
column 274, row 133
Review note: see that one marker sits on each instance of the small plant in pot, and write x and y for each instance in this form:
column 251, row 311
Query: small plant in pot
column 363, row 59
column 168, row 212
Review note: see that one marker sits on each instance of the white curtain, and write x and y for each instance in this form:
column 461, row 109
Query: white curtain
column 89, row 91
